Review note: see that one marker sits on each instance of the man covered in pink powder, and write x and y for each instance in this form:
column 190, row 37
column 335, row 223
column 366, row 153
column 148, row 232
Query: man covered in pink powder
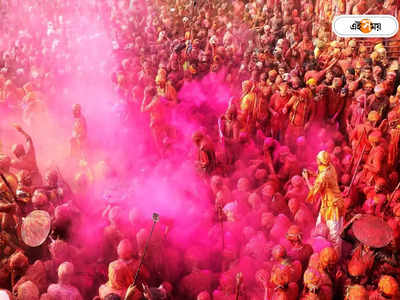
column 63, row 290
column 79, row 133
column 26, row 160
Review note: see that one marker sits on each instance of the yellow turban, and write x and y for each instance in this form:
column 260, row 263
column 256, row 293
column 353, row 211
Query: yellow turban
column 357, row 292
column 379, row 47
column 373, row 116
column 320, row 43
column 362, row 49
column 394, row 66
column 388, row 285
column 312, row 277
column 336, row 51
column 334, row 44
column 311, row 81
column 323, row 157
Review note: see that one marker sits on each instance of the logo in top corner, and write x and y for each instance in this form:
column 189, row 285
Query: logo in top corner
column 366, row 26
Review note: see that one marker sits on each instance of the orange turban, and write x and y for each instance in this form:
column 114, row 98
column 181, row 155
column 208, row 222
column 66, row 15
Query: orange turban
column 119, row 275
column 373, row 116
column 388, row 285
column 356, row 268
column 357, row 292
column 328, row 256
column 280, row 276
column 18, row 260
column 396, row 210
column 312, row 278
column 272, row 73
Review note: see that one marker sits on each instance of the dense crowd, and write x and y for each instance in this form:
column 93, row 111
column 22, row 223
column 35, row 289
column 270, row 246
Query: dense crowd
column 304, row 155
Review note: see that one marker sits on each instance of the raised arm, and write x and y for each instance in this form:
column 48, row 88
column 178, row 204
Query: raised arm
column 30, row 150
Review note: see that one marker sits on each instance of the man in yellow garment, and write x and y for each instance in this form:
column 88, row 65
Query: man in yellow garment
column 332, row 209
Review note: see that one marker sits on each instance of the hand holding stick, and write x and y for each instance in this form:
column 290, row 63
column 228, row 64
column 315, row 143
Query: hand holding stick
column 356, row 217
column 156, row 218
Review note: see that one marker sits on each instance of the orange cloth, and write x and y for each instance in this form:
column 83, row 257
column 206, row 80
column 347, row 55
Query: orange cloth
column 167, row 92
column 247, row 101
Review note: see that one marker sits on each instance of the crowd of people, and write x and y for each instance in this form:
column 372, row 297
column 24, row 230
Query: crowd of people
column 306, row 148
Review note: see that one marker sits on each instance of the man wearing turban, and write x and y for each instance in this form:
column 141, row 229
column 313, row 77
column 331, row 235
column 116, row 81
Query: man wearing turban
column 332, row 209
column 374, row 166
column 298, row 108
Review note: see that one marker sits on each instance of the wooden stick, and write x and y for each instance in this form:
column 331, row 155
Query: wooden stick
column 220, row 215
column 358, row 144
column 395, row 190
column 155, row 221
column 355, row 171
column 8, row 187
